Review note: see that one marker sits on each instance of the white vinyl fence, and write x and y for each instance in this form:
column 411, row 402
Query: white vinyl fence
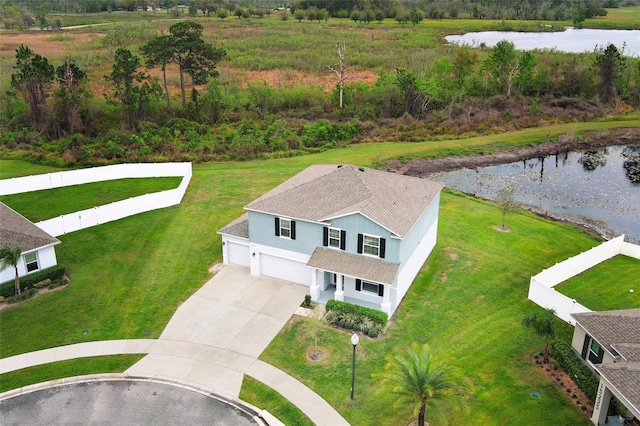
column 541, row 287
column 108, row 212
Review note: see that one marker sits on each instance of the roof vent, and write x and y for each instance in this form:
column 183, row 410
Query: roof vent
column 339, row 165
column 361, row 169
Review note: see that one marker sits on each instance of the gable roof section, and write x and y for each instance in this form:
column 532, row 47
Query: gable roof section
column 612, row 328
column 16, row 231
column 323, row 192
column 619, row 333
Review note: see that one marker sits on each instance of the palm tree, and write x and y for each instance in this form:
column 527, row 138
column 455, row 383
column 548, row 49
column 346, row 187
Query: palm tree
column 415, row 381
column 10, row 257
column 543, row 323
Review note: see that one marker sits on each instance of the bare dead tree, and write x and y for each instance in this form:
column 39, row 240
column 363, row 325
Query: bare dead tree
column 340, row 68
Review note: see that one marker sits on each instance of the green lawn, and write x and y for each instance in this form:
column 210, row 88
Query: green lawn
column 606, row 286
column 129, row 276
column 73, row 367
column 467, row 304
column 45, row 204
column 18, row 168
column 261, row 395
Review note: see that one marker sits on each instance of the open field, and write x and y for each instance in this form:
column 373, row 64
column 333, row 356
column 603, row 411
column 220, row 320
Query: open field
column 607, row 285
column 45, row 204
column 129, row 276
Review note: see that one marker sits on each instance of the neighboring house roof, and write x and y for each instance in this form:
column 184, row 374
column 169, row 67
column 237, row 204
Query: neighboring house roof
column 237, row 228
column 619, row 333
column 366, row 268
column 324, row 192
column 612, row 329
column 17, row 231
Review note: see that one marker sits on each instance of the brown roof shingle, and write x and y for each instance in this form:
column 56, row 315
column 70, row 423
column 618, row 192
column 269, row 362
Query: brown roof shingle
column 323, row 192
column 16, row 231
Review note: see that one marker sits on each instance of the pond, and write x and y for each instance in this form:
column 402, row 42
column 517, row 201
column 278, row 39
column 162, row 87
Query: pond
column 598, row 188
column 572, row 40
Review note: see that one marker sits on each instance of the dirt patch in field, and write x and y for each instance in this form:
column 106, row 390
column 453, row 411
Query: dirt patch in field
column 565, row 143
column 46, row 43
column 279, row 79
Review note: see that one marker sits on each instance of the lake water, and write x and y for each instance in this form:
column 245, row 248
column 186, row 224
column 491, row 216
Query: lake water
column 572, row 40
column 597, row 188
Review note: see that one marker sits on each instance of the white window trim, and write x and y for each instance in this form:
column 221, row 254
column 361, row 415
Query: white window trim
column 339, row 239
column 26, row 264
column 364, row 236
column 377, row 286
column 288, row 229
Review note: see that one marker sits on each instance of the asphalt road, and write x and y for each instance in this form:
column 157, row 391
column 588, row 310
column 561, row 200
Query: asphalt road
column 120, row 402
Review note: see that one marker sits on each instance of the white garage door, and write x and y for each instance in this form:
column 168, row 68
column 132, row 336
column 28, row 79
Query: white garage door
column 285, row 269
column 238, row 254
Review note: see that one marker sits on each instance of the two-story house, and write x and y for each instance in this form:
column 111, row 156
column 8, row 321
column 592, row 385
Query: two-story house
column 350, row 233
column 609, row 343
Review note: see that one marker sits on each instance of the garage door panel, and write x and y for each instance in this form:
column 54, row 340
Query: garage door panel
column 285, row 269
column 238, row 254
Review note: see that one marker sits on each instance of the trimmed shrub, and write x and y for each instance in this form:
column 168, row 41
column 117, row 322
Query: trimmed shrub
column 28, row 294
column 584, row 377
column 342, row 308
column 43, row 283
column 54, row 273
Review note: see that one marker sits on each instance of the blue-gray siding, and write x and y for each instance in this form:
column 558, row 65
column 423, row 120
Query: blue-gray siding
column 411, row 241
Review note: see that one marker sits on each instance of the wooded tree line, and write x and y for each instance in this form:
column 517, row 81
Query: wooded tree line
column 479, row 9
column 57, row 103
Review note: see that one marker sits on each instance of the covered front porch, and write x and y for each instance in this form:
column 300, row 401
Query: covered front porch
column 355, row 279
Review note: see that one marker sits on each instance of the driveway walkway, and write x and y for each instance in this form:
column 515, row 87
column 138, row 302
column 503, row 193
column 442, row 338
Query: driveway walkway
column 212, row 340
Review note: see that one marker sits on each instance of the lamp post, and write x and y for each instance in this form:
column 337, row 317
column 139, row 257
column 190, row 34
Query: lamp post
column 354, row 341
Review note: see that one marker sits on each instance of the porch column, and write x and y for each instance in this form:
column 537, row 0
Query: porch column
column 254, row 260
column 385, row 306
column 339, row 294
column 314, row 290
column 602, row 404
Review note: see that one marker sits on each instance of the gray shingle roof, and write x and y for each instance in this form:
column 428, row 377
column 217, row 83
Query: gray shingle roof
column 16, row 231
column 323, row 192
column 611, row 327
column 366, row 268
column 625, row 377
column 617, row 331
column 237, row 228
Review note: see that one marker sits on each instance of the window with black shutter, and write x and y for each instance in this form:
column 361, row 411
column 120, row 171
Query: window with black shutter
column 358, row 284
column 325, row 236
column 285, row 228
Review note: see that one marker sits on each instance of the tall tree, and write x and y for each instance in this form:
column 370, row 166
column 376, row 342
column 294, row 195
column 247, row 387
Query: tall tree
column 33, row 78
column 192, row 55
column 159, row 52
column 609, row 62
column 131, row 86
column 543, row 323
column 11, row 257
column 68, row 98
column 503, row 65
column 416, row 381
column 341, row 68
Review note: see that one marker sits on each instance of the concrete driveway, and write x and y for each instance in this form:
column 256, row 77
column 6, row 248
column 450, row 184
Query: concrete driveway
column 217, row 334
